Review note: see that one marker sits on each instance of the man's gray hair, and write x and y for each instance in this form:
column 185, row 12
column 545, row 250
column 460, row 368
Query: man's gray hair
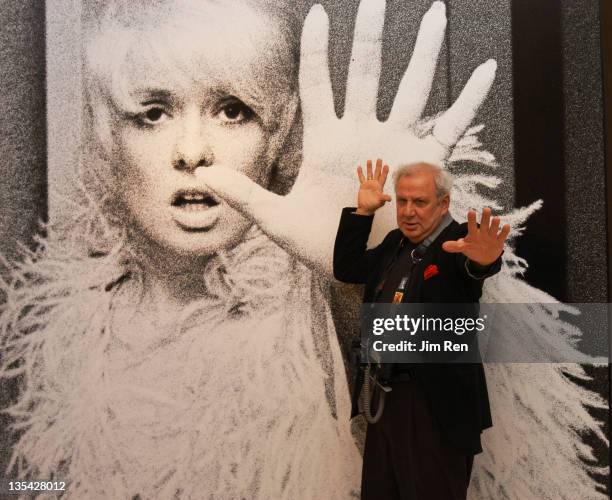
column 442, row 178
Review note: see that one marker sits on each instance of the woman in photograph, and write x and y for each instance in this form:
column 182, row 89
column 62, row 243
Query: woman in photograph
column 176, row 340
column 166, row 346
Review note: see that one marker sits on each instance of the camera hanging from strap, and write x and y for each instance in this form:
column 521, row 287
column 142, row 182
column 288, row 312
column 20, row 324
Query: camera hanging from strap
column 377, row 374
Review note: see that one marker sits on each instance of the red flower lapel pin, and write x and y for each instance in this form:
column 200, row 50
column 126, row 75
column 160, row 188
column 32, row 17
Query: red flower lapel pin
column 430, row 271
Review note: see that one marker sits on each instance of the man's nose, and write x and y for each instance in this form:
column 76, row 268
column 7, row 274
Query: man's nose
column 408, row 210
column 192, row 150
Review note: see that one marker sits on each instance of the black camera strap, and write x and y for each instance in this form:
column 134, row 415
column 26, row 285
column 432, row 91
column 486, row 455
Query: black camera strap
column 371, row 376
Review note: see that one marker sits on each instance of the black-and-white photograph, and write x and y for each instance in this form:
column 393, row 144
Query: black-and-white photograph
column 177, row 320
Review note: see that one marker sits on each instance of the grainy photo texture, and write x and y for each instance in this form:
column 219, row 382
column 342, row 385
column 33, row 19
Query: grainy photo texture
column 172, row 335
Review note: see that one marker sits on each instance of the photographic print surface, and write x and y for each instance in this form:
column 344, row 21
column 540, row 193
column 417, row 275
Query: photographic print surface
column 175, row 332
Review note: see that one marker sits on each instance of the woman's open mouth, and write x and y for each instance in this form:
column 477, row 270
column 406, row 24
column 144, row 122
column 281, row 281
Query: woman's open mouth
column 193, row 200
column 195, row 210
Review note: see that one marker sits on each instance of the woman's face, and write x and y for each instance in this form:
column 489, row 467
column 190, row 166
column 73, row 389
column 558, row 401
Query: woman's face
column 175, row 131
column 203, row 96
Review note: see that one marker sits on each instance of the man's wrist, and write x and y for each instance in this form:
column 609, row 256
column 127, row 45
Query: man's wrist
column 477, row 271
column 477, row 266
column 361, row 211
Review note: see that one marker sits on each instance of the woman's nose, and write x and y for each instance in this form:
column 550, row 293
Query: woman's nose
column 192, row 149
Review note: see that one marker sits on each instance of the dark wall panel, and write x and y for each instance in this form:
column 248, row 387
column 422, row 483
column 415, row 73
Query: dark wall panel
column 22, row 127
column 585, row 194
column 22, row 141
column 538, row 136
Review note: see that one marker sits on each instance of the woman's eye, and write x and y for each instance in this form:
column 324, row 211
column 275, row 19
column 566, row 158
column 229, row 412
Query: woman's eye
column 235, row 112
column 152, row 116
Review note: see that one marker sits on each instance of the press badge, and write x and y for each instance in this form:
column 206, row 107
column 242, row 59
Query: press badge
column 399, row 294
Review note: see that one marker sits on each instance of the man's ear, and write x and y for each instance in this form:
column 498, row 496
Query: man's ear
column 445, row 202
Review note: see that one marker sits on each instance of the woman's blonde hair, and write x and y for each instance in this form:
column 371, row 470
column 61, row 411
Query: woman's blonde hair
column 124, row 37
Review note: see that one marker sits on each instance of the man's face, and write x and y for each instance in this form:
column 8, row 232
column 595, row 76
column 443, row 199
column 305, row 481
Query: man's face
column 419, row 211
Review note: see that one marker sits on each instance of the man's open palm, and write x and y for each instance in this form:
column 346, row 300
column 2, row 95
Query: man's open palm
column 484, row 244
column 371, row 196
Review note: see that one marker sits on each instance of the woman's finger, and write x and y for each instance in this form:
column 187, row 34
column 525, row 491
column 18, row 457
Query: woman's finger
column 240, row 192
column 415, row 86
column 454, row 122
column 364, row 68
column 316, row 94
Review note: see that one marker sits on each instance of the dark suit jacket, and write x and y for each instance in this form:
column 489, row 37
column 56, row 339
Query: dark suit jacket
column 456, row 393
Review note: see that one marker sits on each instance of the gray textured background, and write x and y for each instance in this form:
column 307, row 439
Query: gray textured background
column 584, row 152
column 22, row 140
column 22, row 125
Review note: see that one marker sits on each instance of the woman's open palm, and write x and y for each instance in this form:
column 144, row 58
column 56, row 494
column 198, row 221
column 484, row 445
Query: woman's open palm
column 305, row 221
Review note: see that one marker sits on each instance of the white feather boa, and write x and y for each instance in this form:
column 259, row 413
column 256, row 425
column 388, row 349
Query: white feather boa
column 232, row 404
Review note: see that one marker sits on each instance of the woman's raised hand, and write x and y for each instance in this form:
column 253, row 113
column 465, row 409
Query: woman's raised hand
column 305, row 221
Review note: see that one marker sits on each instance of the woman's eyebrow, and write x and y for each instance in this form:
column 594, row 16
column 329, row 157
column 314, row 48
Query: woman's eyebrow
column 250, row 95
column 151, row 94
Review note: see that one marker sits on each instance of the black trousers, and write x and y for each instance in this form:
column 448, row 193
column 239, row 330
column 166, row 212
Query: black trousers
column 406, row 456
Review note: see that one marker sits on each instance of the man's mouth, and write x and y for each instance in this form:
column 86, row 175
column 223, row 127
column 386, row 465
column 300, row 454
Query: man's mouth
column 192, row 200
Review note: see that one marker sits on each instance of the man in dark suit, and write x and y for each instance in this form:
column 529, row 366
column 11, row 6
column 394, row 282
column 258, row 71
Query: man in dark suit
column 423, row 446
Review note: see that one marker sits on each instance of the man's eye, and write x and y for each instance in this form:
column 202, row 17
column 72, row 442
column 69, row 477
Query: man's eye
column 235, row 112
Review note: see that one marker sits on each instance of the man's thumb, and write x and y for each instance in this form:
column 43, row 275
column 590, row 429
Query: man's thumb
column 453, row 246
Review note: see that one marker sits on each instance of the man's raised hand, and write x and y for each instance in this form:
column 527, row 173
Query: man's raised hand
column 371, row 196
column 484, row 244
